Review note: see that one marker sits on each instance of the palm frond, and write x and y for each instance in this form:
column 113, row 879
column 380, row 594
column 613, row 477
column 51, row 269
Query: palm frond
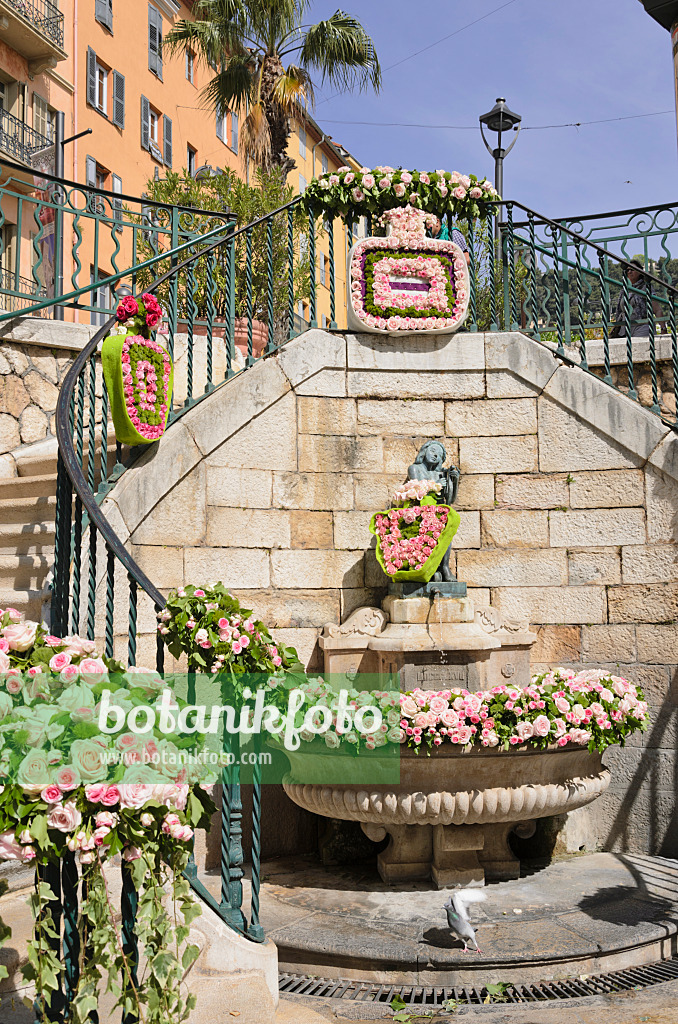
column 292, row 88
column 255, row 136
column 233, row 84
column 342, row 51
column 219, row 27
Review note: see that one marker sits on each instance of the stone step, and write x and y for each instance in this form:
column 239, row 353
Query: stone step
column 28, row 486
column 44, row 462
column 27, row 601
column 37, row 538
column 24, row 572
column 24, row 511
column 13, row 955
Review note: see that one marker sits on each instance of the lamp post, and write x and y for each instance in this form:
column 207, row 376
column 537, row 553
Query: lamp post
column 500, row 119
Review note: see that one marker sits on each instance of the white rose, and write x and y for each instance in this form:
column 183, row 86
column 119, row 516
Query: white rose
column 64, row 817
column 34, row 772
column 21, row 635
column 332, row 740
column 77, row 696
column 88, row 758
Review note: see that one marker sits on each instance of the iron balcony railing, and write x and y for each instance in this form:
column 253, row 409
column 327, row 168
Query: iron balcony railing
column 19, row 139
column 44, row 16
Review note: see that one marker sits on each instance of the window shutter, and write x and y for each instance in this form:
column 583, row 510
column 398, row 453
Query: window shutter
column 103, row 12
column 155, row 41
column 116, row 188
column 234, row 133
column 167, row 139
column 91, row 77
column 220, row 124
column 145, row 134
column 118, row 99
column 90, row 171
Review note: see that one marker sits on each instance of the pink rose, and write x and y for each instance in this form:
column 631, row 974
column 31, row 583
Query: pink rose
column 459, row 192
column 131, row 853
column 95, row 791
column 92, row 667
column 134, row 794
column 78, row 646
column 111, row 796
column 349, row 178
column 106, row 819
column 64, row 817
column 70, row 673
column 542, row 726
column 152, row 319
column 12, row 614
column 59, row 661
column 9, row 848
column 67, row 777
column 368, row 180
column 51, row 794
column 21, row 635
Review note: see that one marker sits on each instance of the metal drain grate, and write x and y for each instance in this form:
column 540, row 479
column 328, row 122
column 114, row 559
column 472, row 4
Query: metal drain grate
column 567, row 988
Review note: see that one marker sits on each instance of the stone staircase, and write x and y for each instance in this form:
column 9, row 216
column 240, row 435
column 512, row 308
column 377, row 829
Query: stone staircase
column 27, row 510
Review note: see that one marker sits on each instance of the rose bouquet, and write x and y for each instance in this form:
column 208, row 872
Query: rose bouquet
column 208, row 625
column 350, row 194
column 413, row 536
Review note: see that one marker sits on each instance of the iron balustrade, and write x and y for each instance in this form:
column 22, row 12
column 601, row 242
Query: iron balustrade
column 44, row 16
column 19, row 139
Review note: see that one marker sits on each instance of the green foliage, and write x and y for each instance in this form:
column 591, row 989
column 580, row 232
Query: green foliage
column 498, row 993
column 246, row 43
column 225, row 194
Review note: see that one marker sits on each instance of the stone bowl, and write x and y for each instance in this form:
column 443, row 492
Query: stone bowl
column 452, row 812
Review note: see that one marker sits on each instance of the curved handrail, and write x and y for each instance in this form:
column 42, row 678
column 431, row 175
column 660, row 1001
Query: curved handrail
column 66, row 392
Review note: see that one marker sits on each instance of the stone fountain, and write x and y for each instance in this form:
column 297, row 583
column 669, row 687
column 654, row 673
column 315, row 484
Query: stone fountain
column 450, row 816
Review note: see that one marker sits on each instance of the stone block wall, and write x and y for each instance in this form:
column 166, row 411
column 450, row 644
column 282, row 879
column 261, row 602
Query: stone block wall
column 568, row 498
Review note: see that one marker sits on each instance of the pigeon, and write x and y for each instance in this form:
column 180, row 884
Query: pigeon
column 457, row 915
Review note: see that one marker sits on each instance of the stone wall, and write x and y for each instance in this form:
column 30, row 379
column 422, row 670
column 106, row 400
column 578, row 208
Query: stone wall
column 568, row 496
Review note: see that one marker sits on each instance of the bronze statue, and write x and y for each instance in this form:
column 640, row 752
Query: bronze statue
column 428, row 465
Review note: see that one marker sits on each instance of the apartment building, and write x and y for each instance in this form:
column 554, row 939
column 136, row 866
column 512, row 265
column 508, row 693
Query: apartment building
column 35, row 82
column 314, row 153
column 103, row 64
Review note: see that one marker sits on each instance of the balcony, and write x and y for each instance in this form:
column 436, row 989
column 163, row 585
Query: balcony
column 19, row 142
column 35, row 29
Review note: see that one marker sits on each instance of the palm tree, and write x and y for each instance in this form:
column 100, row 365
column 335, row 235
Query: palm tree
column 247, row 42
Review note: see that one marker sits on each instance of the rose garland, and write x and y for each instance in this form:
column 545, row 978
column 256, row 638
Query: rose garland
column 70, row 798
column 559, row 708
column 350, row 194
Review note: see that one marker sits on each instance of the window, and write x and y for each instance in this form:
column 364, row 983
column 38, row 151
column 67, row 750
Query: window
column 101, row 298
column 116, row 188
column 302, row 142
column 95, row 177
column 324, row 163
column 222, row 125
column 167, row 140
column 155, row 41
column 191, row 155
column 234, row 133
column 103, row 12
column 101, row 88
column 152, row 125
column 43, row 116
column 302, row 183
column 190, row 59
column 321, row 268
column 323, row 320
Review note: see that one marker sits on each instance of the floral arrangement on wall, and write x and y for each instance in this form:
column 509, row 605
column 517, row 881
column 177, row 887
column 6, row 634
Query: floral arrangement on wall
column 414, row 534
column 350, row 194
column 138, row 371
column 406, row 281
column 559, row 708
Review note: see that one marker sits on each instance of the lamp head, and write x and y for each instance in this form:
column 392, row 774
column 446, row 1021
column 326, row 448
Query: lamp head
column 501, row 118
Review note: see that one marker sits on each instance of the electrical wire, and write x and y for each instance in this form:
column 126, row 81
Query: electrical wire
column 474, row 127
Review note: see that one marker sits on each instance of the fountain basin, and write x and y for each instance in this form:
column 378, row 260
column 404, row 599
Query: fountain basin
column 450, row 816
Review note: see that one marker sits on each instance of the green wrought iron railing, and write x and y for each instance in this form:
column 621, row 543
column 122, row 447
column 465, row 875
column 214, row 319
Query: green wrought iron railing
column 219, row 289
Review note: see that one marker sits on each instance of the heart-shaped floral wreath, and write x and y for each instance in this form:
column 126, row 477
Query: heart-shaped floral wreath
column 411, row 541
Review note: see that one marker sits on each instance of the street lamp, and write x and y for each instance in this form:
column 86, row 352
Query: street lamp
column 500, row 119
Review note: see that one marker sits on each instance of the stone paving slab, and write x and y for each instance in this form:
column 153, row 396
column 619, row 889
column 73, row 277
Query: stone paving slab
column 579, row 915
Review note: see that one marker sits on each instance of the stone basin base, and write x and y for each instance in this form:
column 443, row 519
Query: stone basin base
column 450, row 816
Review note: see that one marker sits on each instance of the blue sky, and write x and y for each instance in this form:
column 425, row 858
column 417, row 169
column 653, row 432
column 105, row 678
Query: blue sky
column 554, row 62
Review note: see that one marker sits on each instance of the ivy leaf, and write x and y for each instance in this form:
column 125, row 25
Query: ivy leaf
column 190, row 955
column 161, row 965
column 38, row 829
